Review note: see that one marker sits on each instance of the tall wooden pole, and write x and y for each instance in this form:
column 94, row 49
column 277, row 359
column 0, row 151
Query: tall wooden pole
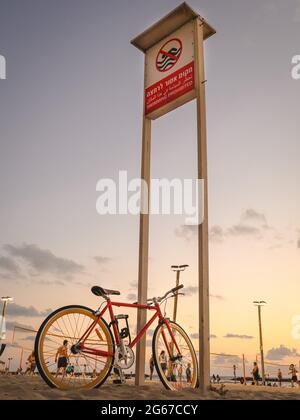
column 21, row 360
column 261, row 347
column 176, row 297
column 4, row 309
column 244, row 370
column 143, row 248
column 203, row 257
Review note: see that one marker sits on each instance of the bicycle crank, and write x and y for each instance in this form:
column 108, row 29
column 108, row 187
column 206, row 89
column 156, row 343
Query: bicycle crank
column 125, row 357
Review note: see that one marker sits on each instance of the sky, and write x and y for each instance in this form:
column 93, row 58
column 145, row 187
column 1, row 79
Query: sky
column 71, row 114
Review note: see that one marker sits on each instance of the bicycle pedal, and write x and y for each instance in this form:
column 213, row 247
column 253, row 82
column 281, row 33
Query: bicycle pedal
column 122, row 379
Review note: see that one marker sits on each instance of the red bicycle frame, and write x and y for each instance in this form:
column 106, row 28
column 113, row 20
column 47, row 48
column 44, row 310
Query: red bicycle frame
column 109, row 307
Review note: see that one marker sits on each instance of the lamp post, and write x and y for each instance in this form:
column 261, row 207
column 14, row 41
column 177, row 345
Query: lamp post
column 244, row 370
column 6, row 300
column 259, row 305
column 177, row 269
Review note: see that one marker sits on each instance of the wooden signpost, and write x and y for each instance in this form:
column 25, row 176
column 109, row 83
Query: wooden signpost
column 174, row 75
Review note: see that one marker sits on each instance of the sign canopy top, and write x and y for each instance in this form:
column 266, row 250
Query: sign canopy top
column 167, row 25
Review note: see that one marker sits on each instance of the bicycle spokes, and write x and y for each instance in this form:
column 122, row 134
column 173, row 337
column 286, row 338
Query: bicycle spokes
column 175, row 357
column 64, row 360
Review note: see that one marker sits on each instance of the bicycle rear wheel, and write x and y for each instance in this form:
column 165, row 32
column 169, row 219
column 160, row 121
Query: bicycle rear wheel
column 177, row 370
column 79, row 371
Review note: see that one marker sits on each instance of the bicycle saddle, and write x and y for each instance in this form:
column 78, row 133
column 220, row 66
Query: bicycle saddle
column 100, row 291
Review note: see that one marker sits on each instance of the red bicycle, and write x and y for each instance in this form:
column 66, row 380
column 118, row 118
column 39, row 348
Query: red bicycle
column 76, row 348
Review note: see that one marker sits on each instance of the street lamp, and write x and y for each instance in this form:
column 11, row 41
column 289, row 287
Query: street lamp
column 259, row 305
column 177, row 269
column 6, row 300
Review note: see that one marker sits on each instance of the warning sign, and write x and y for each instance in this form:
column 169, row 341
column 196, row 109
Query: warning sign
column 170, row 72
column 170, row 88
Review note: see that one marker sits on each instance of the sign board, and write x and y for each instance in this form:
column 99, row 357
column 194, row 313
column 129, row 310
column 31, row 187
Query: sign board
column 170, row 72
column 174, row 75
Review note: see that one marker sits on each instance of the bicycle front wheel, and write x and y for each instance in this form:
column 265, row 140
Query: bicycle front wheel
column 57, row 365
column 174, row 357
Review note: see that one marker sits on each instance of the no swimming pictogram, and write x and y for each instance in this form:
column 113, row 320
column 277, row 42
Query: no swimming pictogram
column 169, row 55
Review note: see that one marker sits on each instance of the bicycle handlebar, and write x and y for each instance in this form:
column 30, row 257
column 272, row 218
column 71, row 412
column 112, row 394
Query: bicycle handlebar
column 160, row 299
column 174, row 290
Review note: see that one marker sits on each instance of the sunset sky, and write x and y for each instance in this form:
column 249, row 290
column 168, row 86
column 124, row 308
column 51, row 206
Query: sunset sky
column 71, row 114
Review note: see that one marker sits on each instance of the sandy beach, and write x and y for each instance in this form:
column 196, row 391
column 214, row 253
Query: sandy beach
column 26, row 388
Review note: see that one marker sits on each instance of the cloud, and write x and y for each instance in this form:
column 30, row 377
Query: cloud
column 8, row 265
column 132, row 297
column 281, row 353
column 253, row 216
column 186, row 232
column 44, row 261
column 190, row 290
column 193, row 290
column 102, row 260
column 251, row 223
column 216, row 234
column 240, row 337
column 10, row 325
column 243, row 230
column 224, row 359
column 23, row 311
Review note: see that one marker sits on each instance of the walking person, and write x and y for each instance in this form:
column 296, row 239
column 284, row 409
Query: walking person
column 180, row 373
column 234, row 373
column 151, row 365
column 280, row 377
column 188, row 373
column 32, row 362
column 255, row 374
column 30, row 365
column 27, row 370
column 293, row 371
column 61, row 358
column 163, row 361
